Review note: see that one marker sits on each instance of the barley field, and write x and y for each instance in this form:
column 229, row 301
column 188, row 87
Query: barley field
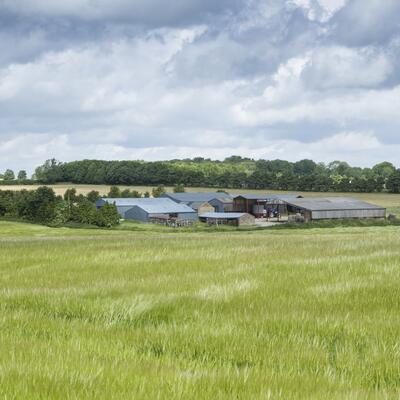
column 166, row 314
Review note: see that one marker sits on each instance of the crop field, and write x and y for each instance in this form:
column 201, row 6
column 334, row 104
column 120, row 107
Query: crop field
column 167, row 314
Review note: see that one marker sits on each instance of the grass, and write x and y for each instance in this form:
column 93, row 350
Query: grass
column 161, row 314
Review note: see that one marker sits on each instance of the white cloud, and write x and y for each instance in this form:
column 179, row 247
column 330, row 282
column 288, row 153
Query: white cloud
column 263, row 80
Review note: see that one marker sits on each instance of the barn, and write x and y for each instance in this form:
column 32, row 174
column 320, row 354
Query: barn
column 230, row 218
column 147, row 209
column 319, row 208
column 258, row 205
column 190, row 197
column 200, row 206
column 222, row 204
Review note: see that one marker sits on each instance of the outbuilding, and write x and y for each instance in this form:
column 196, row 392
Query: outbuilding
column 190, row 197
column 235, row 219
column 258, row 205
column 149, row 209
column 222, row 204
column 319, row 208
column 201, row 207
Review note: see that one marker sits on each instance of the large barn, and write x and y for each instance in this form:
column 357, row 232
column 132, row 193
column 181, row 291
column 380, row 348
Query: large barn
column 260, row 205
column 147, row 209
column 318, row 208
column 190, row 197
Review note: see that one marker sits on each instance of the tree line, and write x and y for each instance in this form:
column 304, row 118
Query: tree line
column 233, row 172
column 43, row 206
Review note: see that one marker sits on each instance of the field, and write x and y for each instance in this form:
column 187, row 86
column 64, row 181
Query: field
column 391, row 201
column 160, row 314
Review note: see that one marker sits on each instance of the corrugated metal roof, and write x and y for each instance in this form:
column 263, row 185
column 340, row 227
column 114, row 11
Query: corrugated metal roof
column 226, row 200
column 196, row 196
column 196, row 204
column 332, row 203
column 158, row 205
column 230, row 215
column 267, row 197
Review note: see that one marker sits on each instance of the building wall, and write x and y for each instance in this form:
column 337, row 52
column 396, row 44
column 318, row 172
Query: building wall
column 342, row 214
column 221, row 206
column 188, row 216
column 135, row 213
column 204, row 208
column 247, row 219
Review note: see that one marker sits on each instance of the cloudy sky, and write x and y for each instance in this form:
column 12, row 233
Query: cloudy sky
column 157, row 79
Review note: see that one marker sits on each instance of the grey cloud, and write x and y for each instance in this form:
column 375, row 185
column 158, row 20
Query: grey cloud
column 267, row 78
column 366, row 22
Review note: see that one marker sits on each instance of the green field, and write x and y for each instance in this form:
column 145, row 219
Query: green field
column 160, row 314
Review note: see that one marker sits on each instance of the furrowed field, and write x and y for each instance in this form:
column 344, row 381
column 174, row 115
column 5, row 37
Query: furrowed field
column 273, row 314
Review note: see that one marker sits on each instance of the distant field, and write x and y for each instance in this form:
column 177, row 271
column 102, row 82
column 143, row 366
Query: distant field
column 391, row 201
column 162, row 314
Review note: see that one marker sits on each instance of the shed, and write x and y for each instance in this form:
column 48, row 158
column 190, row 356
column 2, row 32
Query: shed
column 235, row 219
column 318, row 208
column 201, row 206
column 258, row 204
column 190, row 197
column 144, row 209
column 222, row 204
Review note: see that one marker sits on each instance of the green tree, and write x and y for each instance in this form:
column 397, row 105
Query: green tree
column 70, row 195
column 158, row 191
column 50, row 172
column 93, row 196
column 114, row 192
column 22, row 175
column 41, row 205
column 179, row 188
column 393, row 182
column 107, row 216
column 9, row 175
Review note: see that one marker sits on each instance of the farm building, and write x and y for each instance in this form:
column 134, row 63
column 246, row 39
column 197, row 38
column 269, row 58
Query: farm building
column 147, row 209
column 200, row 207
column 334, row 208
column 261, row 205
column 188, row 197
column 235, row 219
column 222, row 204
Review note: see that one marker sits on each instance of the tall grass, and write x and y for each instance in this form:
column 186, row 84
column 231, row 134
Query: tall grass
column 283, row 314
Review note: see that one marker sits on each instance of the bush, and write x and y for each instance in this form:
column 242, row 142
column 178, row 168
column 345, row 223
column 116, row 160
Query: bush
column 107, row 216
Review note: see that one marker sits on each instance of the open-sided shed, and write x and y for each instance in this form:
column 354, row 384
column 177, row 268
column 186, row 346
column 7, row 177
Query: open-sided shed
column 318, row 208
column 259, row 205
column 230, row 218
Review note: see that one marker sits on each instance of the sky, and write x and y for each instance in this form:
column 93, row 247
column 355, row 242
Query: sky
column 157, row 80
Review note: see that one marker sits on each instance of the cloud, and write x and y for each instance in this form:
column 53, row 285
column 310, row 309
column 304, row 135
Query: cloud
column 263, row 78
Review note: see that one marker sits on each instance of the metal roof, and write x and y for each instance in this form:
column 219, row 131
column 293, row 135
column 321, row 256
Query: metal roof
column 267, row 197
column 196, row 196
column 222, row 215
column 196, row 204
column 159, row 205
column 226, row 200
column 332, row 203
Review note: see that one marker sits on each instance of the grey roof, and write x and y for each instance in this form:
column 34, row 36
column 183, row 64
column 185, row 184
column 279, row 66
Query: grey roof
column 158, row 205
column 226, row 200
column 196, row 204
column 268, row 197
column 332, row 203
column 229, row 215
column 196, row 196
